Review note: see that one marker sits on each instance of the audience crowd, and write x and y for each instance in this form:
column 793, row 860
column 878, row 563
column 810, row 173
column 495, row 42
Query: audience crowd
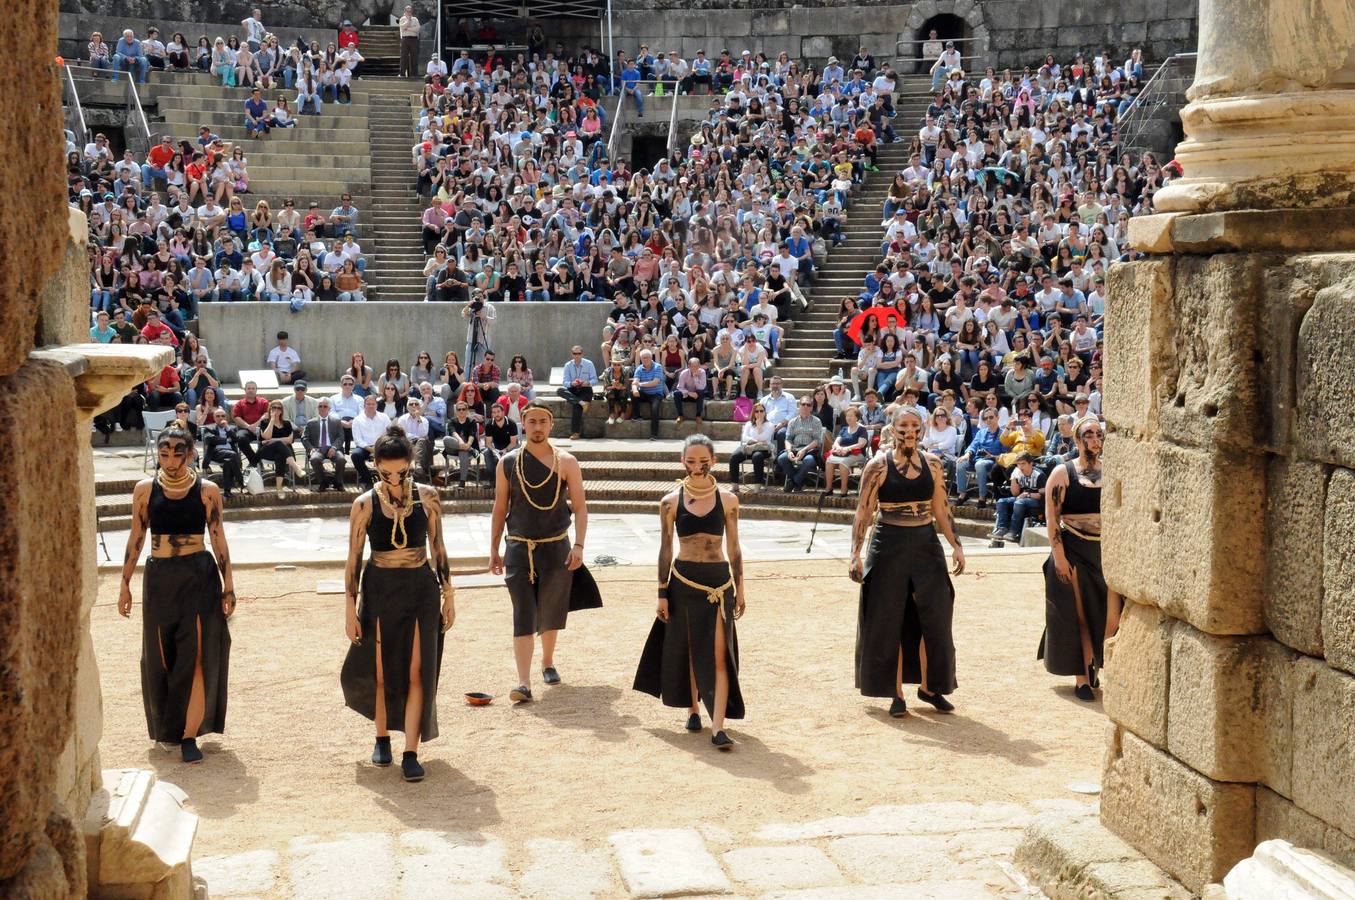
column 984, row 311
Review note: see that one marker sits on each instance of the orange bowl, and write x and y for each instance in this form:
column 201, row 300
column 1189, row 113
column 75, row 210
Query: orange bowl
column 475, row 698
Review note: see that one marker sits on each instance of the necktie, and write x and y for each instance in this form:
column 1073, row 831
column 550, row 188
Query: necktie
column 324, row 435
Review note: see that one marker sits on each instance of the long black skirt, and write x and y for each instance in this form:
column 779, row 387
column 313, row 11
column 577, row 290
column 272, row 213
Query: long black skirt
column 1061, row 644
column 687, row 642
column 397, row 600
column 906, row 597
column 179, row 594
column 545, row 604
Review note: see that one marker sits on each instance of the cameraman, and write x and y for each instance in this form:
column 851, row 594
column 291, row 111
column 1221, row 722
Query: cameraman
column 479, row 315
column 980, row 458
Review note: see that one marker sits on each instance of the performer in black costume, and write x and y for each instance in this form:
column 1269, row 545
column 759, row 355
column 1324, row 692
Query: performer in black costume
column 187, row 597
column 903, row 631
column 396, row 636
column 1080, row 611
column 545, row 575
column 692, row 651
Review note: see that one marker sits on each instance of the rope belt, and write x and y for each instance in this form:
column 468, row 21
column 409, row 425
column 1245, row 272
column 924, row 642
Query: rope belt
column 532, row 544
column 714, row 595
column 1082, row 534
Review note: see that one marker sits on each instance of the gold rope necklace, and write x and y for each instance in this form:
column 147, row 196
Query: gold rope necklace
column 693, row 492
column 399, row 513
column 528, row 487
column 181, row 483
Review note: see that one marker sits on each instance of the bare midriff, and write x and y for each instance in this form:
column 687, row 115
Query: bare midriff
column 409, row 558
column 168, row 546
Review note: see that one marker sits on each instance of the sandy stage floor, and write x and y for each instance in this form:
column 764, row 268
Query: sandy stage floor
column 592, row 756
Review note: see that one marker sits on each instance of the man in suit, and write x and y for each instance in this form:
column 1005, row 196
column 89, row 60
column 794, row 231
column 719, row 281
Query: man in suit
column 298, row 408
column 324, row 444
column 218, row 446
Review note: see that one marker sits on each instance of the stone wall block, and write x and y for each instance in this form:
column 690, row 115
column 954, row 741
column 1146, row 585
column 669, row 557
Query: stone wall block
column 1337, row 595
column 40, row 602
column 32, row 181
column 1326, row 376
column 1138, row 672
column 1277, row 817
column 1324, row 733
column 1230, row 707
column 1207, row 379
column 64, row 301
column 1192, row 826
column 1181, row 530
column 1137, row 339
column 1295, row 509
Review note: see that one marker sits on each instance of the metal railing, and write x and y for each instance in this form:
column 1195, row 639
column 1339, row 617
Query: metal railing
column 72, row 100
column 141, row 138
column 672, row 127
column 137, row 117
column 615, row 133
column 1160, row 90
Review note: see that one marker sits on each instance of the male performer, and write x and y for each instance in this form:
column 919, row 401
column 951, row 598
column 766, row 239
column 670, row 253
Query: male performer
column 545, row 575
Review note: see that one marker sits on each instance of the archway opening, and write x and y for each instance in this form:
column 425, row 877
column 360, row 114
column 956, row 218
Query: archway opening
column 942, row 27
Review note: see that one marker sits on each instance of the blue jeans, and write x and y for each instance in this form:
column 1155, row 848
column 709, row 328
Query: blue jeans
column 797, row 472
column 1012, row 514
column 981, row 468
column 844, row 344
column 101, row 300
column 139, row 63
column 100, row 64
column 148, row 172
column 639, row 101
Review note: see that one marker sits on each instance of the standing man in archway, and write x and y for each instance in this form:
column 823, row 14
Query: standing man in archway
column 410, row 27
column 545, row 575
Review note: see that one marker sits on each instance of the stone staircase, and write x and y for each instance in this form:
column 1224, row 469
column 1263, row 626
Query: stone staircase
column 808, row 358
column 380, row 47
column 395, row 208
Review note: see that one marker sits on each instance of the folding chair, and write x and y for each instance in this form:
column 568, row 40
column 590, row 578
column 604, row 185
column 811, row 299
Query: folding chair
column 155, row 423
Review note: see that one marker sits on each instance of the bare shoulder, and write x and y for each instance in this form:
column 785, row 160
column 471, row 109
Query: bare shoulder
column 1059, row 476
column 875, row 466
column 932, row 461
column 730, row 500
column 363, row 503
column 210, row 492
column 668, row 501
column 568, row 462
column 143, row 488
column 429, row 495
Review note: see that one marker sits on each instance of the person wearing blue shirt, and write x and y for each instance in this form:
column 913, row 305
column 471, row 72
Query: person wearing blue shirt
column 802, row 250
column 980, row 458
column 256, row 114
column 630, row 84
column 780, row 408
column 579, row 378
column 102, row 332
column 129, row 55
column 648, row 387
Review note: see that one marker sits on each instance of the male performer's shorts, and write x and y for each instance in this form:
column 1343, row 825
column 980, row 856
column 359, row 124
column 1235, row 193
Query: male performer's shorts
column 543, row 606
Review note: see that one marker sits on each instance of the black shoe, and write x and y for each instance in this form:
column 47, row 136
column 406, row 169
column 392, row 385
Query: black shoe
column 1084, row 693
column 898, row 709
column 550, row 676
column 410, row 770
column 189, row 750
column 694, row 723
column 520, row 694
column 1092, row 680
column 789, row 487
column 722, row 741
column 940, row 702
column 381, row 753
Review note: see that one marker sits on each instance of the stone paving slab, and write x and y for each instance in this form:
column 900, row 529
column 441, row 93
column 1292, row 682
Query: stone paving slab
column 771, row 868
column 879, row 857
column 667, row 862
column 563, row 870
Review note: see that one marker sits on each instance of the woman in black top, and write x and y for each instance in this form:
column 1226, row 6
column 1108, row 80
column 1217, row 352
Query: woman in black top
column 903, row 632
column 692, row 653
column 396, row 637
column 944, row 379
column 187, row 597
column 275, row 444
column 984, row 382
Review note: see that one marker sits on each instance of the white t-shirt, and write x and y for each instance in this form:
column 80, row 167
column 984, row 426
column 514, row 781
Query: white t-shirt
column 284, row 359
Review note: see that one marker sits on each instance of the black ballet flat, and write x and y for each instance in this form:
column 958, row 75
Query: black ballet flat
column 722, row 741
column 410, row 770
column 1084, row 693
column 520, row 694
column 940, row 702
column 694, row 723
column 550, row 676
column 1091, row 676
column 898, row 709
column 189, row 750
column 381, row 753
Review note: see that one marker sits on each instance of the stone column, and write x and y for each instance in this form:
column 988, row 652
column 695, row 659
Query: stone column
column 1229, row 504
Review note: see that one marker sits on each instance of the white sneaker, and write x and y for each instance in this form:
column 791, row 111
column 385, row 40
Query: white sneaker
column 611, row 420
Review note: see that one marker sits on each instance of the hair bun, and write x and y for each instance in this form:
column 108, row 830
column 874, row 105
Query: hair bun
column 395, row 431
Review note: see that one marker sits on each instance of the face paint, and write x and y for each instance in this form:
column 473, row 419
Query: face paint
column 395, row 478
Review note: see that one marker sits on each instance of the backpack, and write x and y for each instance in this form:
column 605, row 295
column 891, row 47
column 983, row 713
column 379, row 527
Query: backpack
column 743, row 409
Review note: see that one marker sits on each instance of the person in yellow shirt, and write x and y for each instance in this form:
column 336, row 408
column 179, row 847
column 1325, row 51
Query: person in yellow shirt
column 1020, row 437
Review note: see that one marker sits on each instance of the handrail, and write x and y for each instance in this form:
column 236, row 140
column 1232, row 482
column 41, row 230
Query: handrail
column 1152, row 96
column 140, row 113
column 82, row 131
column 437, row 48
column 616, row 127
column 1169, row 63
column 672, row 125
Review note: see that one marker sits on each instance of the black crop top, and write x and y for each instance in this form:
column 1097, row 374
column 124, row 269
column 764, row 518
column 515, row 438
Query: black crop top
column 898, row 489
column 689, row 523
column 185, row 515
column 1080, row 499
column 379, row 525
